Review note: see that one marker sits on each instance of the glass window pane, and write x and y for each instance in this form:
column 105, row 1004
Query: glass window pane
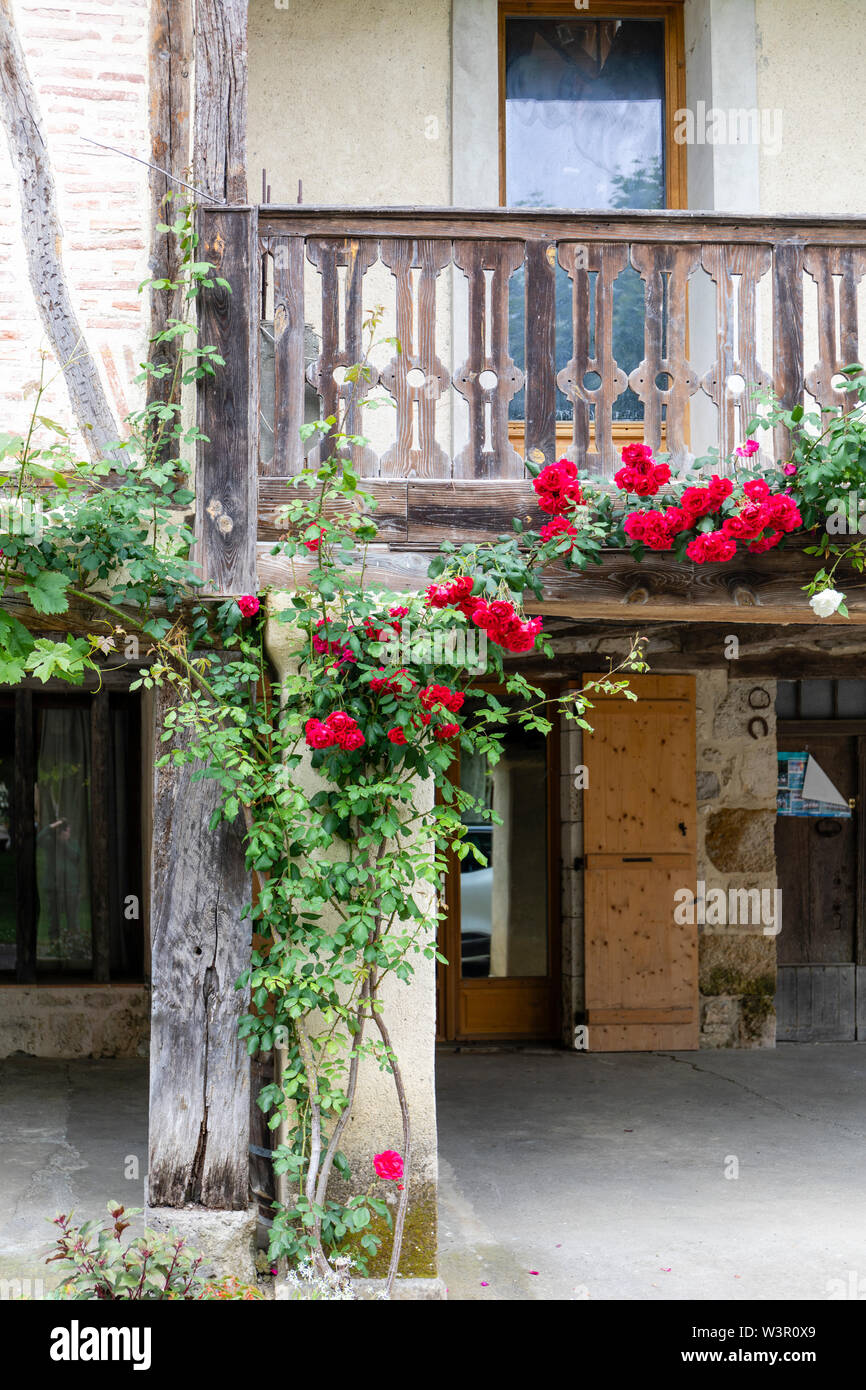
column 851, row 699
column 816, row 699
column 63, row 934
column 786, row 700
column 584, row 113
column 503, row 905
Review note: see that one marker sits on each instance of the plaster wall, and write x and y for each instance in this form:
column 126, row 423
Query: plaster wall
column 354, row 100
column 810, row 63
column 410, row 1011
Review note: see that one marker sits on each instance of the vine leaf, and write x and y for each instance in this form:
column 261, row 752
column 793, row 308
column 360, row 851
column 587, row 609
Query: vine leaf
column 47, row 592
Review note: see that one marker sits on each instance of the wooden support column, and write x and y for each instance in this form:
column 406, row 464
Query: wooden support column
column 199, row 1068
column 228, row 405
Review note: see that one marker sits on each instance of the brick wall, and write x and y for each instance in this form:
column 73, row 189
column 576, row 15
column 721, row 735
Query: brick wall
column 88, row 63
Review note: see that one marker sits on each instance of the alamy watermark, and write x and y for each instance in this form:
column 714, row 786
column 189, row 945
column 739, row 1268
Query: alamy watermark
column 442, row 646
column 23, row 517
column 717, row 907
column 738, row 125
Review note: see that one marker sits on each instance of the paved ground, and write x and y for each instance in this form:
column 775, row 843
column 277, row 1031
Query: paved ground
column 606, row 1174
column 70, row 1132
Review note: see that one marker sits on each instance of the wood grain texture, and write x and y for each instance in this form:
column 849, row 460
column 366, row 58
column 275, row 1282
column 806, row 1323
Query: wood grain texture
column 675, row 592
column 665, row 271
column 227, row 460
column 288, row 260
column 640, row 837
column 838, row 342
column 593, row 270
column 737, row 271
column 415, row 452
column 540, row 352
column 489, row 453
column 343, row 341
column 199, row 1069
column 671, row 225
column 788, row 371
column 220, row 120
column 170, row 106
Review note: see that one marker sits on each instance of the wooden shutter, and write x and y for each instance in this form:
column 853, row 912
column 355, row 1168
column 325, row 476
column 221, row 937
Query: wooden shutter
column 640, row 847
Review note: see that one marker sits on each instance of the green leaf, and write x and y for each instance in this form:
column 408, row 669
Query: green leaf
column 47, row 593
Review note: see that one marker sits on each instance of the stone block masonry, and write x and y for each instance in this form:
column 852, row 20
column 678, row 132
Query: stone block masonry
column 88, row 64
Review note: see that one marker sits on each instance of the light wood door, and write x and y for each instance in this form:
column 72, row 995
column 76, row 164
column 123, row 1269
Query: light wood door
column 639, row 849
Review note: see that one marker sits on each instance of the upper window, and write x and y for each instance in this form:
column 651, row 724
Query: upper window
column 587, row 107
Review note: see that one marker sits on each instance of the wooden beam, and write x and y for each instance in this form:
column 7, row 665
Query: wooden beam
column 170, row 96
column 220, row 124
column 540, row 224
column 199, row 1068
column 228, row 405
column 27, row 908
column 676, row 593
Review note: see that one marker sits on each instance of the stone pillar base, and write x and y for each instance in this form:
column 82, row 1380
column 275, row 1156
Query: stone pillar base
column 225, row 1238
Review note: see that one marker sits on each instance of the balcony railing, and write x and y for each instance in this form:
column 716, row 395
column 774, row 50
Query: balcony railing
column 523, row 333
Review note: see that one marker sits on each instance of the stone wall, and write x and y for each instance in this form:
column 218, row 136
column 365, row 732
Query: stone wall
column 736, row 790
column 65, row 1021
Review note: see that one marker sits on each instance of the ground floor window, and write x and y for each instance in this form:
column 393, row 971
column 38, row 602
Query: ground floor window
column 70, row 837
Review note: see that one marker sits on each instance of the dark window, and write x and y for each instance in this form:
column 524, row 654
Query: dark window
column 70, row 837
column 821, row 699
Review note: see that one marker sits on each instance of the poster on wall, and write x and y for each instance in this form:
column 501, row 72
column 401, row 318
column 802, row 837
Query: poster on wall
column 804, row 789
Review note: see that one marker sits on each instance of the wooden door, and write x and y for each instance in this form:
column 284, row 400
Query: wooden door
column 817, row 866
column 639, row 849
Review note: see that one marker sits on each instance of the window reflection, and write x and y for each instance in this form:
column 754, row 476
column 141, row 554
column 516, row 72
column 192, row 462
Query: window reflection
column 584, row 113
column 503, row 906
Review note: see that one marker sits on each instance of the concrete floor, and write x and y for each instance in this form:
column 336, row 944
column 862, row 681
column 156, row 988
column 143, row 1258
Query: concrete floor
column 606, row 1174
column 70, row 1132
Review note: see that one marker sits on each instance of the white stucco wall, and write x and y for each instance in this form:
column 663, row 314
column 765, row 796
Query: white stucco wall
column 811, row 60
column 352, row 99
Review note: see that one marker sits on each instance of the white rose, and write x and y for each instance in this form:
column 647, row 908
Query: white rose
column 823, row 605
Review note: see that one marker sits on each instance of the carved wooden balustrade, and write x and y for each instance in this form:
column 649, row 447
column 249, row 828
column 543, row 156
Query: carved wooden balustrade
column 506, row 321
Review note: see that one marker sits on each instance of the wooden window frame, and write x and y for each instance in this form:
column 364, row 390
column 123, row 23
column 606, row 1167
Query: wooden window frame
column 24, row 703
column 449, row 980
column 671, row 11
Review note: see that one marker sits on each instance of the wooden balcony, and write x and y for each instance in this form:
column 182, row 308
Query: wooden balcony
column 511, row 324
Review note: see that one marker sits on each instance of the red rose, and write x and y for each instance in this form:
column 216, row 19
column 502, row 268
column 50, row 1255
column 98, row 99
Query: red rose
column 711, row 546
column 396, row 736
column 765, row 543
column 756, row 490
column 389, row 1165
column 556, row 486
column 559, row 526
column 249, row 605
column 446, row 731
column 318, row 735
column 782, row 512
column 637, row 453
column 718, row 489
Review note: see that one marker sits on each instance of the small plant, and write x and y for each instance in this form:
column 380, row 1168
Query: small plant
column 98, row 1265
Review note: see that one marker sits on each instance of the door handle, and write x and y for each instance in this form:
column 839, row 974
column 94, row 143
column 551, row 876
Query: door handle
column 637, row 859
